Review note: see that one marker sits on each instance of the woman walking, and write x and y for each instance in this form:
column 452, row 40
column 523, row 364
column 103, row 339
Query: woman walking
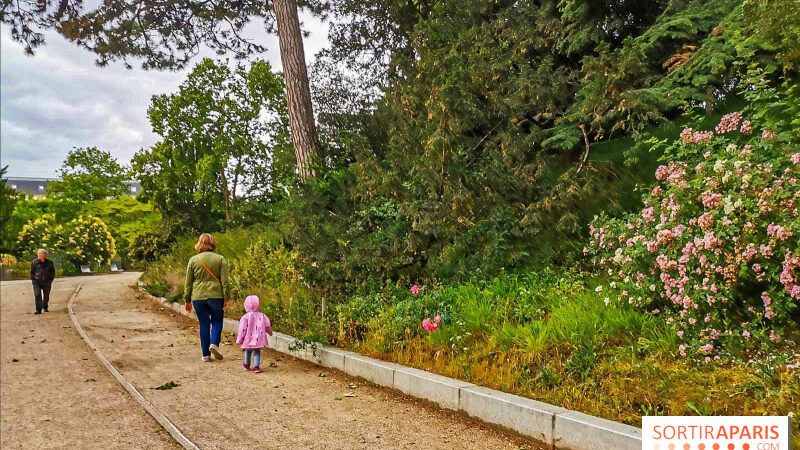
column 206, row 289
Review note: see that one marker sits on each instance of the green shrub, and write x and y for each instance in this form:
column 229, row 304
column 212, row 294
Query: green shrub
column 19, row 270
column 266, row 270
column 42, row 232
column 715, row 248
column 88, row 241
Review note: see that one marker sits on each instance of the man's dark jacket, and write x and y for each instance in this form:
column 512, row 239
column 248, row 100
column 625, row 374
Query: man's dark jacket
column 42, row 271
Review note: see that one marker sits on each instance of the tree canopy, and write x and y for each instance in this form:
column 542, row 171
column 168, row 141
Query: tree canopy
column 89, row 174
column 8, row 201
column 225, row 140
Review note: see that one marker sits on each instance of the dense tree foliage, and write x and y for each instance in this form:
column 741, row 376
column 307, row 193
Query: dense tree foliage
column 90, row 174
column 8, row 200
column 225, row 141
column 126, row 218
column 502, row 125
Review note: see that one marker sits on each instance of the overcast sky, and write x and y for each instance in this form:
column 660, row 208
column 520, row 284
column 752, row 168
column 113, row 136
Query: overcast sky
column 59, row 99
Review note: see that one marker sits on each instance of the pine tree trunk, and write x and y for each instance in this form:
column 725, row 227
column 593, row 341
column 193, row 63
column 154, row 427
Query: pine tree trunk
column 301, row 116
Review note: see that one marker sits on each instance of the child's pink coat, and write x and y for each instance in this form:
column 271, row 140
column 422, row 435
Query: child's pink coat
column 254, row 326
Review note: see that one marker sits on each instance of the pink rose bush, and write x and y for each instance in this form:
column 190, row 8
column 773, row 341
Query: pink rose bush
column 716, row 247
column 431, row 326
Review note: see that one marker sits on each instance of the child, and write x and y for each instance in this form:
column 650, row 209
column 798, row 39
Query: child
column 254, row 327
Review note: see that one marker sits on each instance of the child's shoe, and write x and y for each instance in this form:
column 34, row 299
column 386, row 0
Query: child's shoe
column 245, row 366
column 256, row 369
column 206, row 359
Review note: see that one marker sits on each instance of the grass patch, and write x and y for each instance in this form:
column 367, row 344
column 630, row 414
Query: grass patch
column 552, row 338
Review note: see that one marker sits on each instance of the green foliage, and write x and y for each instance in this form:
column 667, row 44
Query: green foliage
column 503, row 128
column 500, row 132
column 778, row 23
column 87, row 240
column 170, row 265
column 83, row 240
column 38, row 233
column 715, row 246
column 266, row 270
column 8, row 200
column 225, row 140
column 536, row 312
column 162, row 36
column 20, row 270
column 89, row 174
column 28, row 209
column 157, row 288
column 126, row 218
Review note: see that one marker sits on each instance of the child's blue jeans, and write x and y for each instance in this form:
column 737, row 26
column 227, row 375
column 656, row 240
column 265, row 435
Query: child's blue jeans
column 256, row 353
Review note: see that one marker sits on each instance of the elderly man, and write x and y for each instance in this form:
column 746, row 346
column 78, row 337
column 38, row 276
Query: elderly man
column 42, row 274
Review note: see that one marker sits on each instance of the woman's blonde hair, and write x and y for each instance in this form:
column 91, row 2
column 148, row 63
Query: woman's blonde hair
column 205, row 243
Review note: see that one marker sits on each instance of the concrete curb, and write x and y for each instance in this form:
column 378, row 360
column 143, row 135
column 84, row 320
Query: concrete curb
column 558, row 427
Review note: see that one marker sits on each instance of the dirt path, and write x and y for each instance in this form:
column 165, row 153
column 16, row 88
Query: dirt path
column 218, row 404
column 54, row 393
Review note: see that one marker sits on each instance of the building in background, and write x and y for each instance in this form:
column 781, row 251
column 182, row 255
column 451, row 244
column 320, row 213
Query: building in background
column 37, row 187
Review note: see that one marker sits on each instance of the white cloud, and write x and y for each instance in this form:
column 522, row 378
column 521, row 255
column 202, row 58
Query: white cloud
column 59, row 99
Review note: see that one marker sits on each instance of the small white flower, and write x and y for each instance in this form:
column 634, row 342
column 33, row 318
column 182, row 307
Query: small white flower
column 598, row 289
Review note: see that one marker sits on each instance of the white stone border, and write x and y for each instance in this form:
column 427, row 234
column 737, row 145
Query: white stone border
column 558, row 427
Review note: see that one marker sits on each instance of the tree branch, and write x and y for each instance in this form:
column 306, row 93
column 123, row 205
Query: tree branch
column 586, row 141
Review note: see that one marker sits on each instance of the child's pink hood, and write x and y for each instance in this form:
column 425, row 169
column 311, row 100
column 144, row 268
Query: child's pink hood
column 254, row 326
column 251, row 303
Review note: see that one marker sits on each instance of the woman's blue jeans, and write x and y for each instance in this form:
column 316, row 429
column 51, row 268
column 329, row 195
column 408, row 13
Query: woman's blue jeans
column 210, row 315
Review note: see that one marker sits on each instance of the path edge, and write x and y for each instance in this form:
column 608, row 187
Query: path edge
column 159, row 417
column 555, row 426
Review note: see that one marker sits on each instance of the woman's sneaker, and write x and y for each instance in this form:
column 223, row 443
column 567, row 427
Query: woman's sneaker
column 256, row 369
column 215, row 351
column 245, row 366
column 205, row 359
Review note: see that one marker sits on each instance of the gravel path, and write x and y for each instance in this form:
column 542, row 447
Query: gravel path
column 54, row 393
column 217, row 404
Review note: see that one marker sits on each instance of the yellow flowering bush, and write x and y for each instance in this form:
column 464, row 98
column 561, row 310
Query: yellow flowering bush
column 88, row 241
column 7, row 260
column 40, row 233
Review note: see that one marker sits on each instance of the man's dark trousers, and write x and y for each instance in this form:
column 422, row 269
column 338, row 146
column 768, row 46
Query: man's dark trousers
column 41, row 293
